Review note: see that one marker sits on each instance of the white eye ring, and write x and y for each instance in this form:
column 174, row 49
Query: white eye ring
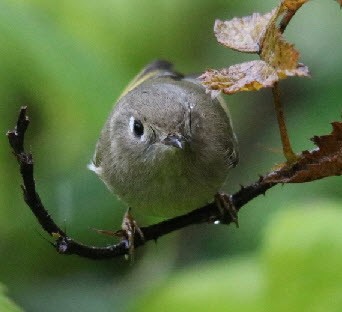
column 132, row 125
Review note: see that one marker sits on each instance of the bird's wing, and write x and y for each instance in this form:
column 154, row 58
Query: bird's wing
column 155, row 69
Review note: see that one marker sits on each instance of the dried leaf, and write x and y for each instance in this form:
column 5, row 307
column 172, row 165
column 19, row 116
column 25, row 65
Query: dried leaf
column 241, row 77
column 300, row 71
column 257, row 34
column 324, row 161
column 277, row 52
column 249, row 76
column 243, row 34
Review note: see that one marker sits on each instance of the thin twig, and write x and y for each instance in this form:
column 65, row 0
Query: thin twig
column 289, row 14
column 287, row 149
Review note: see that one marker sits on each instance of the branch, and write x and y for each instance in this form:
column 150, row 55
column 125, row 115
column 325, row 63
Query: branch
column 207, row 214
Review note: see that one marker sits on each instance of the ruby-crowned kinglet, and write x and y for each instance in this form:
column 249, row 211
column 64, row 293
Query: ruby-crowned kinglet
column 167, row 145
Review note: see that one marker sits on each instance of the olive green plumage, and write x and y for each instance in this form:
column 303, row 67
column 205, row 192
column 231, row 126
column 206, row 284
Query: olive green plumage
column 167, row 146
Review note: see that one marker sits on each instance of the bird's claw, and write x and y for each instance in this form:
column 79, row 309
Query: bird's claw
column 227, row 209
column 129, row 228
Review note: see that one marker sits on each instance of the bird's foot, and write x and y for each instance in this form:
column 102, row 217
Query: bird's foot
column 227, row 209
column 129, row 228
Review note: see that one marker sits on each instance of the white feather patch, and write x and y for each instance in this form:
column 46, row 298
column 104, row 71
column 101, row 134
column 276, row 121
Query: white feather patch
column 92, row 167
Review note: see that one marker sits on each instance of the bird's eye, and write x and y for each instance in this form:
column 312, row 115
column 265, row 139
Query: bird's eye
column 138, row 128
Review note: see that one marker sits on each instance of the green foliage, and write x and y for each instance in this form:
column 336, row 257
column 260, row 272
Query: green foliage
column 69, row 61
column 302, row 256
column 6, row 305
column 298, row 268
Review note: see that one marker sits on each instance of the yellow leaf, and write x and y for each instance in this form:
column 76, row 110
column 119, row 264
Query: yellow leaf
column 279, row 53
column 275, row 50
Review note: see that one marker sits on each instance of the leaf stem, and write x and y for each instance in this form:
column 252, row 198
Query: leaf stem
column 287, row 149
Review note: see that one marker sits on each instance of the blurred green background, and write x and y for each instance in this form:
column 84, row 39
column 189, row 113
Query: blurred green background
column 69, row 61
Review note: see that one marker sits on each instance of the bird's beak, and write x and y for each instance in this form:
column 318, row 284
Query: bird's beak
column 174, row 140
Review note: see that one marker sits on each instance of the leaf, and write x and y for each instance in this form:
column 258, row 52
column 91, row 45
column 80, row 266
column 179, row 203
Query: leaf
column 259, row 34
column 241, row 77
column 277, row 52
column 300, row 71
column 243, row 34
column 324, row 161
column 248, row 76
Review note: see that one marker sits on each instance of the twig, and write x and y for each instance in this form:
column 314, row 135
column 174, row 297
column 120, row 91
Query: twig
column 66, row 245
column 287, row 149
column 289, row 14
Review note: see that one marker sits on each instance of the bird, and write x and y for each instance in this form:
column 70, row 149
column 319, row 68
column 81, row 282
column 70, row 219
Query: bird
column 168, row 145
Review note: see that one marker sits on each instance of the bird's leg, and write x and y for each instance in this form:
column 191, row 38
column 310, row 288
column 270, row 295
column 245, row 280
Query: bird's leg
column 128, row 229
column 226, row 206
